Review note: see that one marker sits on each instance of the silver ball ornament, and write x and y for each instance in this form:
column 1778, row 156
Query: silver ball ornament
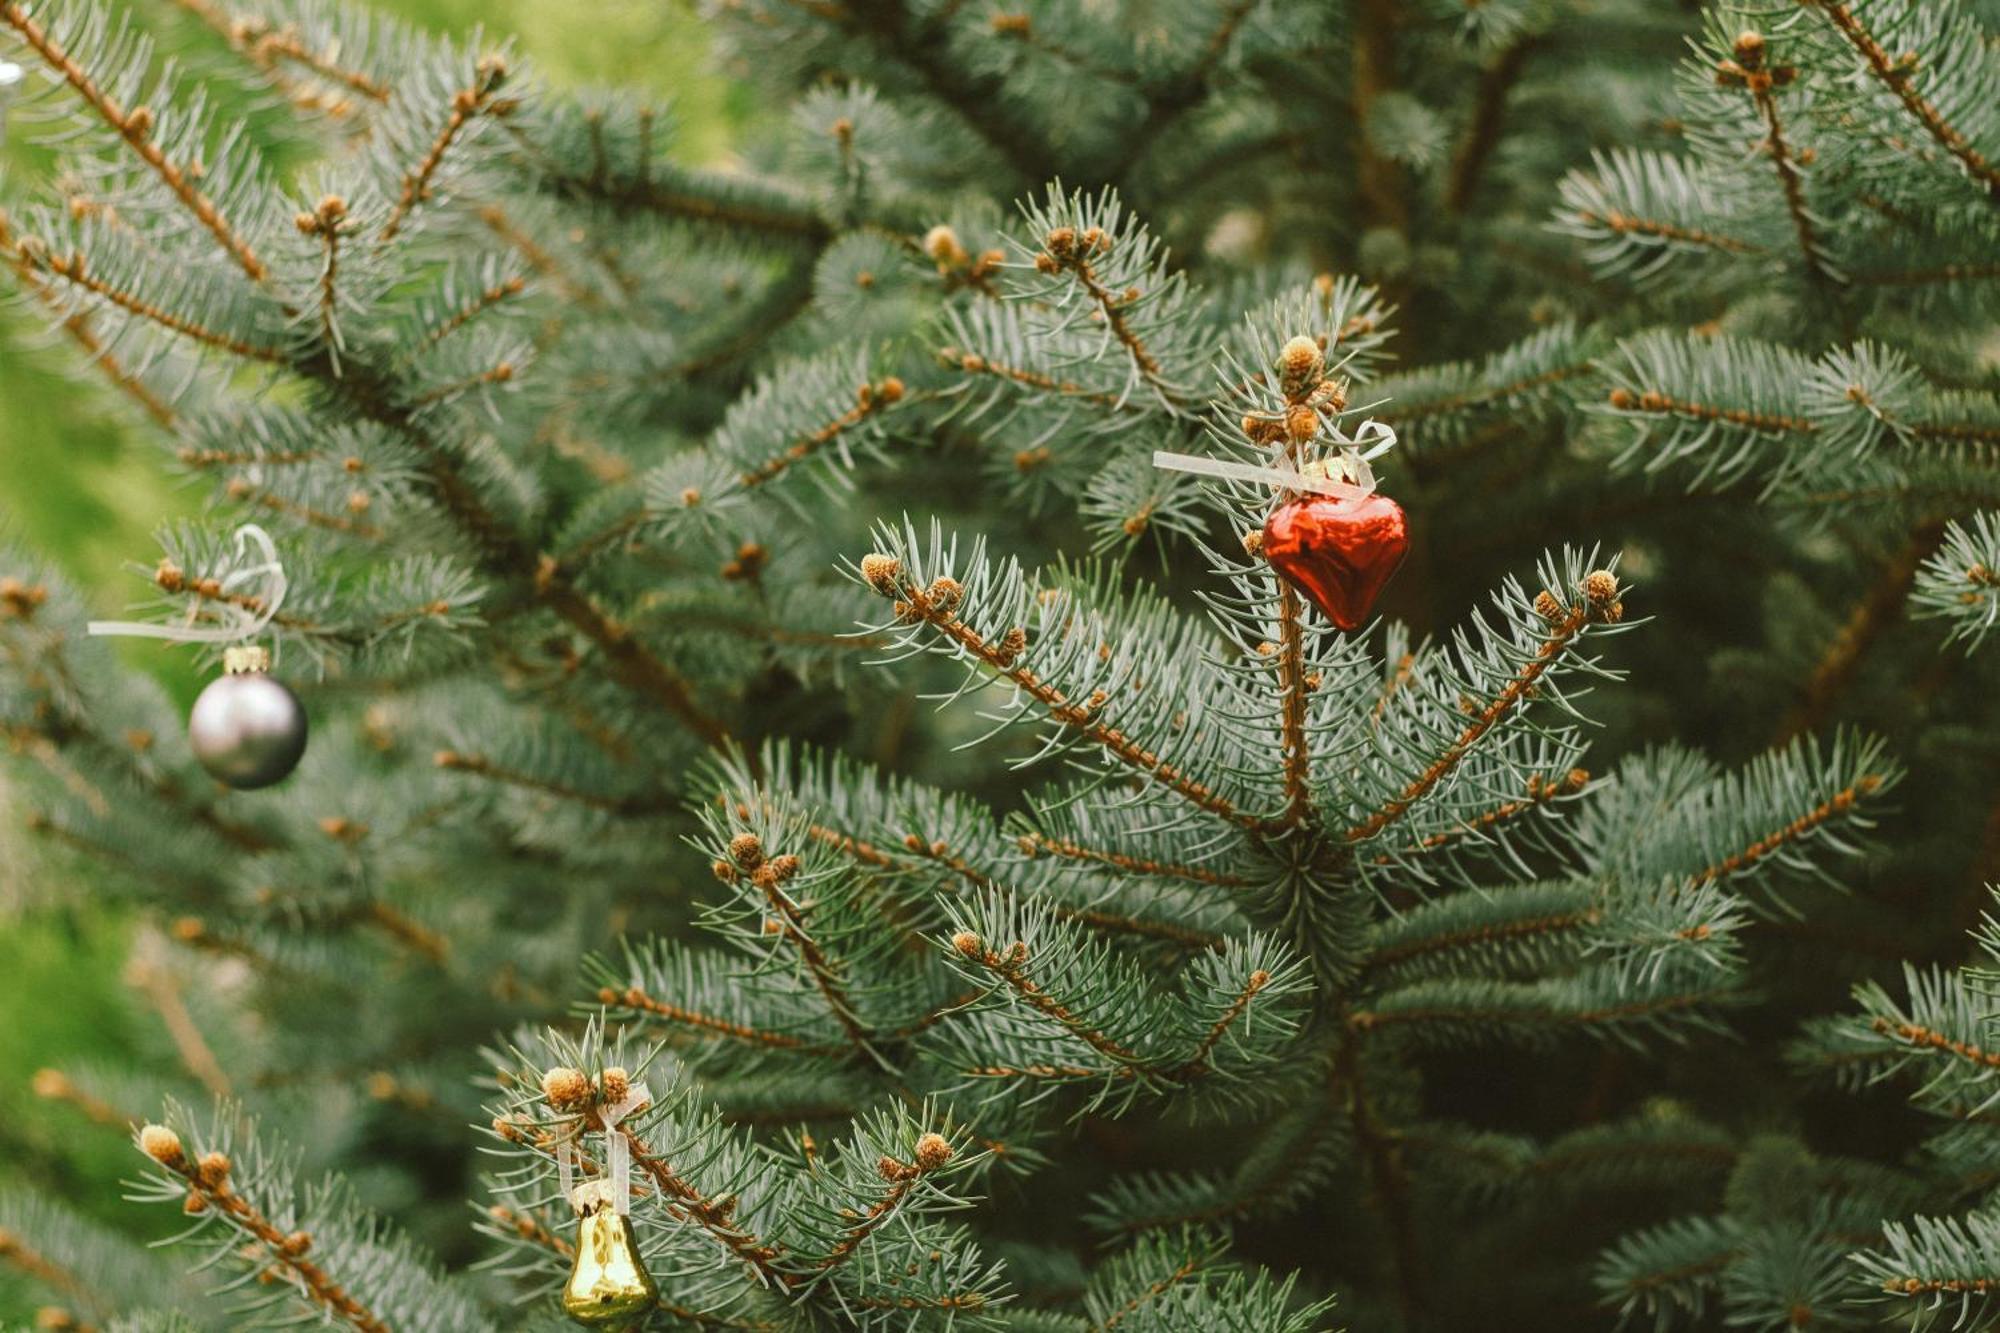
column 247, row 729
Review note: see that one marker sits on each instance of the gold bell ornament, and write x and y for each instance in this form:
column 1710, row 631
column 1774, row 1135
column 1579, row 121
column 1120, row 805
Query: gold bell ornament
column 609, row 1286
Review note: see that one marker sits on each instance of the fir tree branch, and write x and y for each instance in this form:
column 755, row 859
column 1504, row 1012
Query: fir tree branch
column 1564, row 626
column 971, row 363
column 869, row 400
column 30, row 253
column 1364, row 1020
column 1036, row 844
column 1625, row 223
column 1186, row 1269
column 18, row 1253
column 1378, row 180
column 632, row 997
column 1011, row 969
column 1388, row 1174
column 135, row 128
column 979, row 97
column 208, row 1190
column 1481, row 396
column 1065, row 251
column 239, row 488
column 1751, row 70
column 769, row 874
column 253, row 37
column 1197, row 1064
column 67, row 728
column 194, row 1049
column 1489, row 113
column 1929, row 1039
column 55, row 1086
column 1901, row 81
column 458, row 761
column 1651, row 401
column 506, row 554
column 711, row 1215
column 473, row 309
column 1541, row 790
column 1872, row 615
column 411, row 934
column 936, row 608
column 1556, row 923
column 901, row 1178
column 1293, row 690
column 1020, row 27
column 539, row 259
column 1121, row 924
column 473, row 100
column 77, row 325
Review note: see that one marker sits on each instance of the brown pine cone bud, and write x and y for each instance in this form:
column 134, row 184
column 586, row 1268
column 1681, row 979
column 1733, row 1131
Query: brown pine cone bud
column 933, row 1151
column 213, row 1169
column 1600, row 586
column 746, row 851
column 883, row 573
column 162, row 1145
column 565, row 1088
column 1300, row 365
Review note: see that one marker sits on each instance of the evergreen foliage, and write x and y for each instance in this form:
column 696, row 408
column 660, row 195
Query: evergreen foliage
column 1190, row 964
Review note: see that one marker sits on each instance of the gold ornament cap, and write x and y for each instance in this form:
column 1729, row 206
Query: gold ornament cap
column 609, row 1285
column 245, row 659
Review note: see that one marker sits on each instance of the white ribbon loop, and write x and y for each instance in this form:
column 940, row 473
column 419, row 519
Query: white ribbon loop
column 1371, row 439
column 238, row 623
column 618, row 1148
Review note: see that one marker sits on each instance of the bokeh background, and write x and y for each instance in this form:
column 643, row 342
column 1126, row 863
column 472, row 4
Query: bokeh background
column 80, row 487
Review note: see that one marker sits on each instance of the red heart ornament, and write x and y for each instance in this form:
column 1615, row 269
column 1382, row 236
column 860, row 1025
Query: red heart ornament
column 1338, row 552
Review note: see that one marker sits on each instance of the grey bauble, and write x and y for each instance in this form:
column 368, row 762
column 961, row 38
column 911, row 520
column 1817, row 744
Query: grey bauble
column 248, row 730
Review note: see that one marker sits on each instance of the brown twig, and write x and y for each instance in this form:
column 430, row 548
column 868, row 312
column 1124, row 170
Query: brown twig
column 1292, row 690
column 475, row 99
column 208, row 1189
column 473, row 309
column 31, row 253
column 1838, row 804
column 194, row 1049
column 1036, row 844
column 1562, row 633
column 869, row 400
column 633, row 997
column 1541, row 790
column 1625, row 223
column 1489, row 112
column 458, row 761
column 1877, row 610
column 936, row 608
column 77, row 325
column 1011, row 968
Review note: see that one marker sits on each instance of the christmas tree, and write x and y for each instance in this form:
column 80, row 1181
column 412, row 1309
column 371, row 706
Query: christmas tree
column 848, row 783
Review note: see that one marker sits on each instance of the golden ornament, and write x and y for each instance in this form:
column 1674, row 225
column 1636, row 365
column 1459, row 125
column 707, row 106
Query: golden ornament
column 610, row 1284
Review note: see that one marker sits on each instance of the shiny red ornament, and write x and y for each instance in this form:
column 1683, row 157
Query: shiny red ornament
column 1338, row 552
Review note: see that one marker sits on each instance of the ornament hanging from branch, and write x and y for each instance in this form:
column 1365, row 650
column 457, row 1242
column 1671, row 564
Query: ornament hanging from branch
column 247, row 728
column 1332, row 535
column 609, row 1284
